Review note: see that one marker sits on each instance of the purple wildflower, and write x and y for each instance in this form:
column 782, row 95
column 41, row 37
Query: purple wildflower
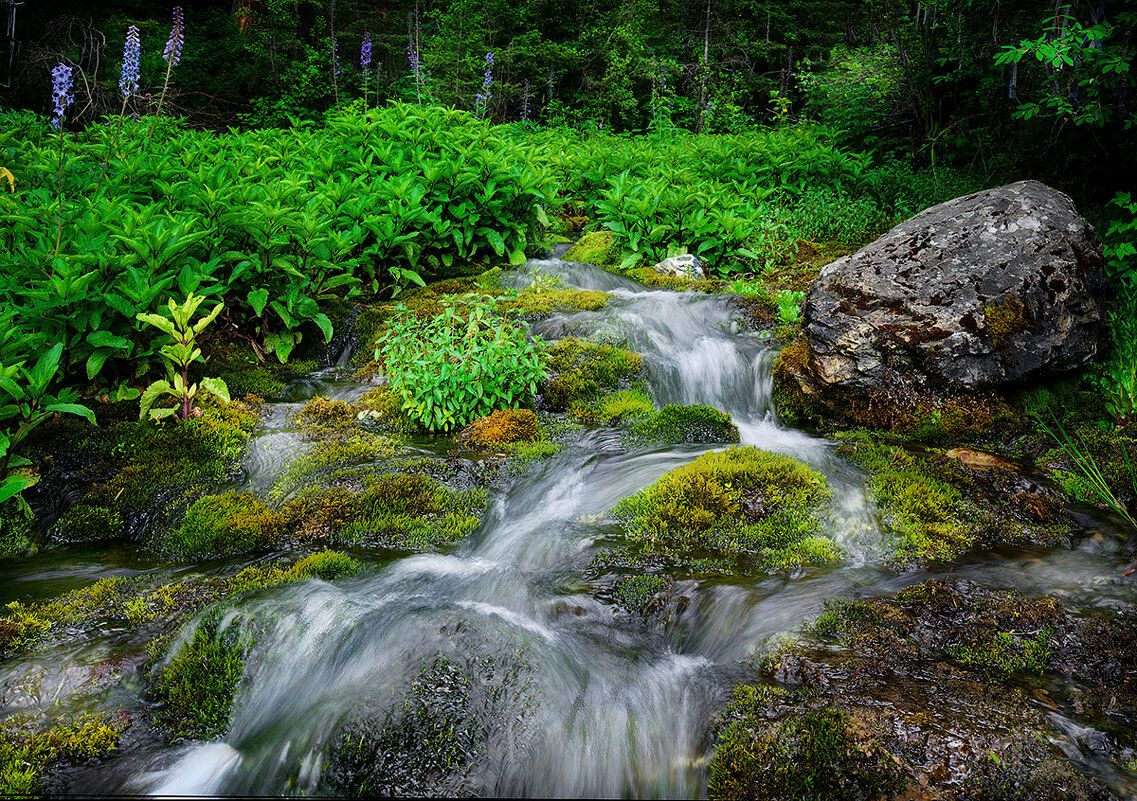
column 128, row 83
column 482, row 99
column 173, row 51
column 525, row 103
column 365, row 53
column 335, row 55
column 61, row 96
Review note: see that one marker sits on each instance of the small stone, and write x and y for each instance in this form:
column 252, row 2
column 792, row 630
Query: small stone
column 685, row 266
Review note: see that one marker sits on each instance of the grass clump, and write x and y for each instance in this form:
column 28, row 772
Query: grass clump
column 26, row 754
column 674, row 424
column 198, row 686
column 739, row 502
column 802, row 757
column 327, row 565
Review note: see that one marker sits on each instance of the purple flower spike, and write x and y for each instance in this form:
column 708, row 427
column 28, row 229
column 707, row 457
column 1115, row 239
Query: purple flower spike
column 173, row 51
column 128, row 83
column 61, row 96
column 365, row 53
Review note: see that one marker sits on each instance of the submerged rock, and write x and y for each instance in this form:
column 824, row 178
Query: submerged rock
column 971, row 294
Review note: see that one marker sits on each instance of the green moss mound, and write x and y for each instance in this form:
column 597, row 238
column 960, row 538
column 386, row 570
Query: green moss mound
column 327, row 565
column 582, row 372
column 801, row 758
column 543, row 301
column 16, row 534
column 741, row 502
column 676, row 424
column 626, row 405
column 598, row 248
column 218, row 525
column 28, row 753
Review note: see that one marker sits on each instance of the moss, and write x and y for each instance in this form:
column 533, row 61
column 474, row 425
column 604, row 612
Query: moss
column 341, row 442
column 533, row 302
column 399, row 511
column 639, row 593
column 598, row 248
column 1107, row 450
column 678, row 424
column 23, row 624
column 27, row 755
column 1004, row 653
column 649, row 277
column 840, row 618
column 505, row 426
column 146, row 474
column 217, row 525
column 16, row 534
column 581, row 372
column 327, row 565
column 1004, row 320
column 804, row 757
column 626, row 405
column 244, row 374
column 198, row 686
column 734, row 503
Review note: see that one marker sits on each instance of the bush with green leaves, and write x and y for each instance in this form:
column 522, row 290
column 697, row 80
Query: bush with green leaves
column 179, row 356
column 461, row 364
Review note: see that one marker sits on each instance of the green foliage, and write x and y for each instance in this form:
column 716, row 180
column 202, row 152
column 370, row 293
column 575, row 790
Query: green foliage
column 178, row 357
column 327, row 565
column 678, row 424
column 582, row 372
column 1090, row 482
column 461, row 364
column 25, row 403
column 789, row 306
column 636, row 593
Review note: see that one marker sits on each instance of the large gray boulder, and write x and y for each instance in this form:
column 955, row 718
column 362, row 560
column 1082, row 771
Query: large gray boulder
column 982, row 290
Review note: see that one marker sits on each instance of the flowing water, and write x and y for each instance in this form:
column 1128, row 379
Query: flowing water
column 619, row 707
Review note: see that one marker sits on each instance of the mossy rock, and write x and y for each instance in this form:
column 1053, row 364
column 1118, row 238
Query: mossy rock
column 219, row 525
column 1114, row 455
column 505, row 426
column 674, row 424
column 938, row 508
column 624, row 406
column 910, row 410
column 327, row 565
column 582, row 372
column 649, row 277
column 739, row 503
column 950, row 665
column 802, row 757
column 28, row 753
column 244, row 374
column 144, row 475
column 598, row 248
column 543, row 301
column 17, row 537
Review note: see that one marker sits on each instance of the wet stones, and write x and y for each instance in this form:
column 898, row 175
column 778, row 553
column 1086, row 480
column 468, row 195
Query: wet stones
column 685, row 266
column 968, row 295
column 946, row 690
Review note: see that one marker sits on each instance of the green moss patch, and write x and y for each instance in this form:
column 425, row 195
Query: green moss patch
column 624, row 406
column 28, row 753
column 503, row 427
column 197, row 687
column 582, row 372
column 244, row 374
column 801, row 757
column 219, row 525
column 598, row 248
column 17, row 537
column 737, row 503
column 543, row 301
column 682, row 424
column 937, row 507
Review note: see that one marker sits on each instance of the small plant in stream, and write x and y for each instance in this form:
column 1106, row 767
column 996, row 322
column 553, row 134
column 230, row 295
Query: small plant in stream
column 172, row 54
column 1093, row 480
column 789, row 305
column 179, row 356
column 461, row 364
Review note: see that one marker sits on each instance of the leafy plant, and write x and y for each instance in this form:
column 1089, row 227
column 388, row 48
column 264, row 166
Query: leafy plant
column 179, row 356
column 1089, row 471
column 461, row 364
column 789, row 305
column 25, row 403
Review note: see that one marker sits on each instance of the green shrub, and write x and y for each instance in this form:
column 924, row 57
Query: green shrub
column 461, row 364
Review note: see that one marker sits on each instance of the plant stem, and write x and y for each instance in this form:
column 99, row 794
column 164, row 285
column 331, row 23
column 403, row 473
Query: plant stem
column 59, row 193
column 110, row 147
column 161, row 99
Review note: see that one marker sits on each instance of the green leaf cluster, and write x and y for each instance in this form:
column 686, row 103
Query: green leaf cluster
column 461, row 364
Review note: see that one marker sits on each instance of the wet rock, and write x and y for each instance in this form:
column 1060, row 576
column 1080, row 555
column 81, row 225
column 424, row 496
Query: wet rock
column 947, row 690
column 971, row 294
column 685, row 266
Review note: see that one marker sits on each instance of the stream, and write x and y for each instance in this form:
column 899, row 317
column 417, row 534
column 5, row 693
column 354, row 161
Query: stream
column 595, row 702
